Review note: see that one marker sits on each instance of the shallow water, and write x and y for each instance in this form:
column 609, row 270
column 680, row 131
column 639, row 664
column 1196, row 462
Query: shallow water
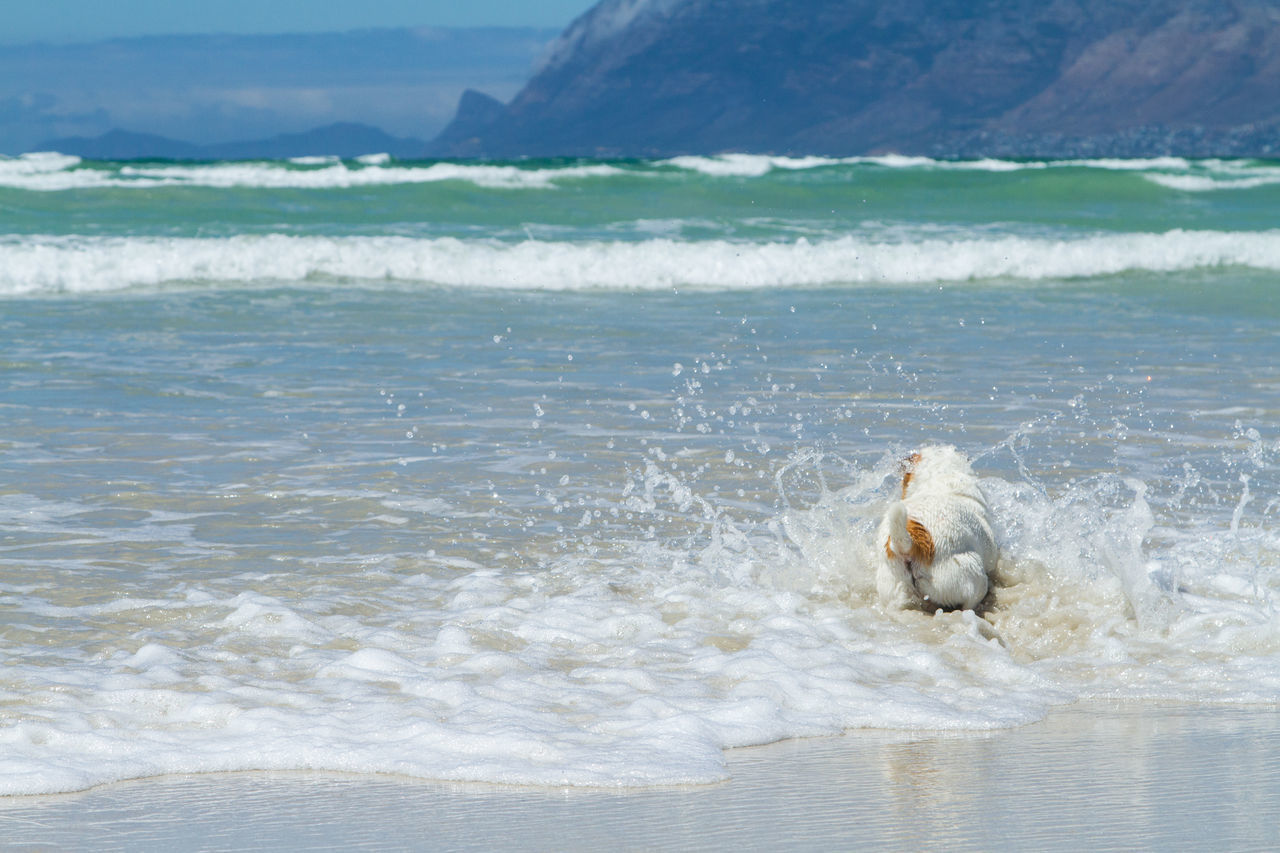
column 1098, row 777
column 595, row 532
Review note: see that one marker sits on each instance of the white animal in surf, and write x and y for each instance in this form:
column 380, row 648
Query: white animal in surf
column 938, row 548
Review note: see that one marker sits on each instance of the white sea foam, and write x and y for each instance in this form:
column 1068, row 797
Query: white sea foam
column 1207, row 183
column 51, row 172
column 747, row 165
column 639, row 670
column 55, row 172
column 34, row 265
column 1177, row 173
column 15, row 171
column 1135, row 164
column 755, row 165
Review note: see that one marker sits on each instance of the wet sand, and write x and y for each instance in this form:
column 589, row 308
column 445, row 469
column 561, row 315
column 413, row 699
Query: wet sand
column 1092, row 776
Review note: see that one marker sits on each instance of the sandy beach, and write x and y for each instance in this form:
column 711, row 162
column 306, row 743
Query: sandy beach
column 1092, row 776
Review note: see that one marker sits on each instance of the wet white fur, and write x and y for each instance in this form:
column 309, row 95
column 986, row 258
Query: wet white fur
column 944, row 497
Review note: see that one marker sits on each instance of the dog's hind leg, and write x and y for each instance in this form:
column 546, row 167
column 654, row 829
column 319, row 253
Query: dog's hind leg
column 894, row 584
column 959, row 582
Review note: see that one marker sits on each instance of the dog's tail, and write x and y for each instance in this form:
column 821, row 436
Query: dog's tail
column 899, row 537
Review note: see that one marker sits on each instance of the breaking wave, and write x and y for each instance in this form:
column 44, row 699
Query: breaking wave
column 53, row 172
column 34, row 265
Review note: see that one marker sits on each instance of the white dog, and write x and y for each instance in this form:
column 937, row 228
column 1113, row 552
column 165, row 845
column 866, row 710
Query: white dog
column 938, row 546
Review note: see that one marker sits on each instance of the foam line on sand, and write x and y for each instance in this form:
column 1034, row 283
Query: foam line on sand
column 1137, row 776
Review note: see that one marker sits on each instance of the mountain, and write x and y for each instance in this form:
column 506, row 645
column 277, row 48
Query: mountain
column 343, row 139
column 123, row 145
column 937, row 77
column 476, row 113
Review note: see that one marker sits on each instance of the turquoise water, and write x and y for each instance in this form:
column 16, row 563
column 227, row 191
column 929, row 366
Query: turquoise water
column 566, row 472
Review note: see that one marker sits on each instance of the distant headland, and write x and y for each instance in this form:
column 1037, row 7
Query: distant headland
column 1006, row 78
column 341, row 139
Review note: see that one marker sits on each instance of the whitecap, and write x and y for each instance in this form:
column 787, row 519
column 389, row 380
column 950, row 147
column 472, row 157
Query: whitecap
column 81, row 264
column 1206, row 183
column 55, row 173
column 745, row 165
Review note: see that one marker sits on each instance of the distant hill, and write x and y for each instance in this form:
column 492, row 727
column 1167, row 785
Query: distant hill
column 219, row 88
column 937, row 77
column 343, row 139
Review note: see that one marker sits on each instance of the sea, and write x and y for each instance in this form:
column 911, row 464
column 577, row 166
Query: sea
column 566, row 472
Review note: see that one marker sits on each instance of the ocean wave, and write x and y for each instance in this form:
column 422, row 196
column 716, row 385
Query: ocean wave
column 56, row 172
column 756, row 165
column 748, row 165
column 1174, row 173
column 78, row 264
column 52, row 172
column 1207, row 183
column 14, row 169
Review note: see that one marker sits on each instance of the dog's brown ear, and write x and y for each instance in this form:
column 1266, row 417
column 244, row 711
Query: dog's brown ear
column 908, row 466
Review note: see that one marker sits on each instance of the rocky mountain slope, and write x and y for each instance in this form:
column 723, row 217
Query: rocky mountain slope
column 938, row 77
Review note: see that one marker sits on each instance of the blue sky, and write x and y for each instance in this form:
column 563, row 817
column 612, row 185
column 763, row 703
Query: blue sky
column 90, row 20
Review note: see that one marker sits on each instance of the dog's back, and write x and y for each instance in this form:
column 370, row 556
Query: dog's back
column 939, row 548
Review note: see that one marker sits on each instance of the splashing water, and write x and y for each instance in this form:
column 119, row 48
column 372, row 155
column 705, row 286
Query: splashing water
column 566, row 521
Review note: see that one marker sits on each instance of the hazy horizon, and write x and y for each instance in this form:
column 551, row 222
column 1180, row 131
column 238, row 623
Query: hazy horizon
column 209, row 89
column 68, row 22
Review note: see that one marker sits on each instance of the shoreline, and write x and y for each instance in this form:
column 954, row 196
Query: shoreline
column 1089, row 775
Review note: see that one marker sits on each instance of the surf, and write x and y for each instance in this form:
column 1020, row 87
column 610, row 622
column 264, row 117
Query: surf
column 47, row 264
